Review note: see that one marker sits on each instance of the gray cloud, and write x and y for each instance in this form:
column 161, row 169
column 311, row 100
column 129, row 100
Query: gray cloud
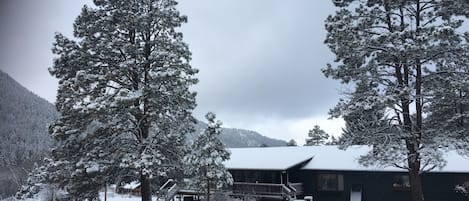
column 26, row 36
column 260, row 57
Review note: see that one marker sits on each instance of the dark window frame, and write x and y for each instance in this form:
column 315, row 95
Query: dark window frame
column 404, row 182
column 338, row 180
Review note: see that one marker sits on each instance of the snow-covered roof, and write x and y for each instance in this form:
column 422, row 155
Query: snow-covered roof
column 333, row 158
column 455, row 163
column 267, row 158
column 132, row 185
column 323, row 158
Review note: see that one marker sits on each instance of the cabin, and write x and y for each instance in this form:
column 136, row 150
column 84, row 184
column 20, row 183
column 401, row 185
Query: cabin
column 326, row 173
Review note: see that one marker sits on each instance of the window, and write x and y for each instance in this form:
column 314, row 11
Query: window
column 401, row 182
column 330, row 182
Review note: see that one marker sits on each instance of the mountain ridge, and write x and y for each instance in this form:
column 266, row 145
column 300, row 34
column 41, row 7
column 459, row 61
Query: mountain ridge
column 237, row 138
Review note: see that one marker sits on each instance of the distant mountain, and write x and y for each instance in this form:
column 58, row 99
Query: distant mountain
column 24, row 118
column 236, row 138
column 24, row 138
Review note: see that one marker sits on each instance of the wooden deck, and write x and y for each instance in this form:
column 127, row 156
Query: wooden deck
column 267, row 190
column 270, row 191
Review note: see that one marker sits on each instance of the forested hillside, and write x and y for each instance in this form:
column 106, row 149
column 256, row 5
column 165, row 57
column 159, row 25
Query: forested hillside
column 24, row 140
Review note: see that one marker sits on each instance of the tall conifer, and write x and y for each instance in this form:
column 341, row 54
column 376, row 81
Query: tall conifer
column 205, row 163
column 123, row 95
column 397, row 46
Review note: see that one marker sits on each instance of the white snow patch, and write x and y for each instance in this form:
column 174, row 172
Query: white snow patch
column 132, row 185
column 93, row 168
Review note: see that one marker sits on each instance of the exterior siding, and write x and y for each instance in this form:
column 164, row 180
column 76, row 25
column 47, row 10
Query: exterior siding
column 440, row 187
column 378, row 186
column 256, row 176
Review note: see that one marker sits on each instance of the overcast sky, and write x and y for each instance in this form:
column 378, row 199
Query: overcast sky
column 259, row 61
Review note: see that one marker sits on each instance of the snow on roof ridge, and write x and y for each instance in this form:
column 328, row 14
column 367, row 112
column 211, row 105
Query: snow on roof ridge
column 326, row 157
column 266, row 158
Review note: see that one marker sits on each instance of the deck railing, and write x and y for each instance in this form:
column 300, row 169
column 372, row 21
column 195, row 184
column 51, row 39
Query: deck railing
column 260, row 190
column 267, row 189
column 297, row 187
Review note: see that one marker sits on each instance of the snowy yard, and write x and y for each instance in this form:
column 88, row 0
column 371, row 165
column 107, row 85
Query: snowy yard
column 111, row 196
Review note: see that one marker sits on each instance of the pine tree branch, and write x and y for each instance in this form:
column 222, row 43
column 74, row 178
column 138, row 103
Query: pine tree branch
column 400, row 166
column 377, row 48
column 427, row 5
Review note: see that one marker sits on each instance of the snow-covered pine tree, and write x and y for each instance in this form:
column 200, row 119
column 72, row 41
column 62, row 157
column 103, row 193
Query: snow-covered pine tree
column 41, row 182
column 316, row 136
column 448, row 111
column 363, row 120
column 38, row 180
column 123, row 95
column 205, row 163
column 396, row 46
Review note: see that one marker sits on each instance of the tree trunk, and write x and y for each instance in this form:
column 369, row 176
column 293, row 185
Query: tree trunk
column 53, row 193
column 207, row 193
column 413, row 156
column 208, row 190
column 416, row 183
column 105, row 191
column 145, row 187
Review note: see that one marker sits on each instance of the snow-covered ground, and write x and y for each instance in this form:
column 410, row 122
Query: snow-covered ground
column 111, row 196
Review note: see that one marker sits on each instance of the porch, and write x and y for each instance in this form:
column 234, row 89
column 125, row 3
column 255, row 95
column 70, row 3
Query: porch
column 267, row 190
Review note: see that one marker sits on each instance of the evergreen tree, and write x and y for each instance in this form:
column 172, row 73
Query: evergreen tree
column 316, row 136
column 205, row 163
column 40, row 183
column 448, row 111
column 123, row 96
column 292, row 143
column 37, row 181
column 364, row 123
column 394, row 46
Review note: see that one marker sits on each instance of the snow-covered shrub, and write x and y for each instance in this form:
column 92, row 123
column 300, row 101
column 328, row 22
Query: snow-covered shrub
column 462, row 189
